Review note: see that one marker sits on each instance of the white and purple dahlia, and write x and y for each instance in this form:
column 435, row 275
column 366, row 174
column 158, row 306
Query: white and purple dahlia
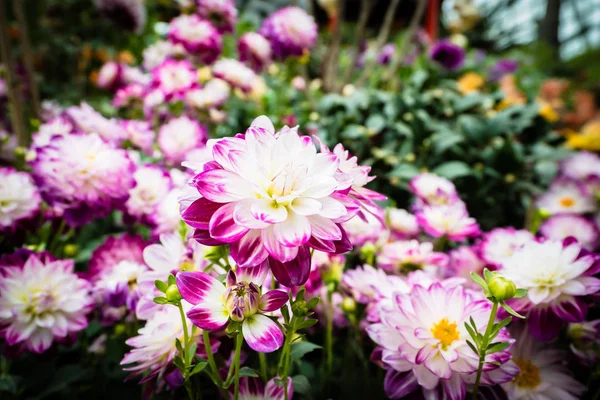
column 221, row 13
column 174, row 78
column 155, row 54
column 581, row 166
column 140, row 134
column 402, row 224
column 410, row 255
column 500, row 244
column 450, row 220
column 433, row 190
column 19, row 198
column 566, row 196
column 57, row 126
column 235, row 73
column 128, row 95
column 562, row 226
column 197, row 36
column 255, row 50
column 212, row 95
column 291, row 31
column 179, row 136
column 110, row 76
column 85, row 119
column 152, row 185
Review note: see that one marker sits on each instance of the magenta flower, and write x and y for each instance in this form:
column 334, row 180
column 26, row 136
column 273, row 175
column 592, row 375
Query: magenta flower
column 447, row 54
column 255, row 50
column 581, row 166
column 235, row 73
column 240, row 300
column 174, row 78
column 291, row 32
column 409, row 255
column 128, row 95
column 221, row 13
column 197, row 36
column 140, row 134
column 433, row 190
column 179, row 136
column 271, row 196
column 86, row 119
column 110, row 76
column 255, row 389
column 451, row 221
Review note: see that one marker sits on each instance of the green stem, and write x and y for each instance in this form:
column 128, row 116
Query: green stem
column 483, row 348
column 185, row 330
column 262, row 358
column 329, row 335
column 186, row 342
column 236, row 361
column 211, row 359
column 285, row 360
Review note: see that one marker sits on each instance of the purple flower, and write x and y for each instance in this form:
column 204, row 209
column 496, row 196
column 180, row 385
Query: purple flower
column 255, row 50
column 447, row 54
column 386, row 54
column 221, row 13
column 197, row 36
column 179, row 136
column 255, row 389
column 234, row 73
column 503, row 67
column 291, row 32
column 451, row 221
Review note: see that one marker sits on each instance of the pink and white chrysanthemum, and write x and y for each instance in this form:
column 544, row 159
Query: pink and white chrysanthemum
column 135, row 75
column 562, row 226
column 291, row 32
column 110, row 75
column 543, row 371
column 409, row 255
column 566, row 196
column 179, row 136
column 152, row 184
column 361, row 232
column 500, row 244
column 155, row 54
column 255, row 50
column 114, row 250
column 42, row 302
column 221, row 13
column 198, row 36
column 255, row 389
column 423, row 342
column 557, row 276
column 433, row 190
column 140, row 134
column 402, row 224
column 128, row 95
column 83, row 175
column 451, row 221
column 240, row 300
column 212, row 95
column 368, row 284
column 88, row 120
column 58, row 126
column 19, row 198
column 235, row 73
column 271, row 196
column 174, row 78
column 581, row 166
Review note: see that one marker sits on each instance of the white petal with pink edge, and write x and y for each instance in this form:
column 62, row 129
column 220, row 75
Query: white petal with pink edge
column 262, row 334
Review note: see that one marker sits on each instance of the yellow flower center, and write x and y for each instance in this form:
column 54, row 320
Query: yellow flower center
column 567, row 202
column 445, row 332
column 529, row 377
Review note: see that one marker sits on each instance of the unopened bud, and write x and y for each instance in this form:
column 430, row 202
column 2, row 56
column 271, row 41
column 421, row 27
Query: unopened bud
column 173, row 293
column 70, row 250
column 501, row 288
column 349, row 305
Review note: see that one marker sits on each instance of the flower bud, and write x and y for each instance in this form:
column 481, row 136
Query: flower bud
column 242, row 300
column 501, row 288
column 348, row 305
column 71, row 250
column 173, row 293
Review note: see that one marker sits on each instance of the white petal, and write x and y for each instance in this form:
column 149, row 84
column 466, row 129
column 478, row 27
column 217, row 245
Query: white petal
column 306, row 206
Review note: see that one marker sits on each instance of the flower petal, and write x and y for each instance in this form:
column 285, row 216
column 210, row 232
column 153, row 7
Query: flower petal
column 255, row 274
column 321, row 186
column 306, row 206
column 263, row 122
column 273, row 300
column 198, row 214
column 438, row 366
column 222, row 186
column 276, row 249
column 209, row 316
column 398, row 385
column 243, row 216
column 294, row 231
column 276, row 392
column 262, row 334
column 332, row 208
column 223, row 227
column 249, row 250
column 324, row 228
column 197, row 287
column 294, row 272
column 266, row 210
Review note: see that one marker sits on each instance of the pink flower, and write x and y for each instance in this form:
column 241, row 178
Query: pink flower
column 581, row 166
column 367, row 284
column 291, row 32
column 451, row 221
column 235, row 73
column 557, row 275
column 361, row 232
column 179, row 136
column 197, row 36
column 110, row 75
column 432, row 189
column 212, row 95
column 128, row 95
column 409, row 255
column 19, row 198
column 271, row 195
column 222, row 13
column 255, row 50
column 152, row 185
column 402, row 224
column 500, row 244
column 562, row 226
column 241, row 300
column 140, row 134
column 255, row 389
column 463, row 261
column 566, row 196
column 42, row 302
column 57, row 126
column 88, row 120
column 423, row 342
column 174, row 78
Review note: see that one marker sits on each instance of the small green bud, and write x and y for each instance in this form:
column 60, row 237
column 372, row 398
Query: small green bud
column 173, row 293
column 70, row 250
column 349, row 305
column 299, row 308
column 501, row 288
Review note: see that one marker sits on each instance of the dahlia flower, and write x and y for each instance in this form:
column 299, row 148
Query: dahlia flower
column 135, row 75
column 361, row 232
column 581, row 166
column 212, row 95
column 255, row 50
column 19, row 197
column 174, row 78
column 557, row 275
column 235, row 73
column 240, row 300
column 126, row 14
column 255, row 389
column 221, row 13
column 447, row 54
column 140, row 134
column 83, row 175
column 88, row 120
column 179, row 136
column 402, row 224
column 499, row 244
column 562, row 226
column 110, row 75
column 41, row 302
column 451, row 221
column 423, row 341
column 197, row 36
column 584, row 337
column 566, row 196
column 271, row 195
column 543, row 373
column 408, row 255
column 367, row 284
column 291, row 32
column 127, row 96
column 152, row 184
column 57, row 126
column 167, row 216
column 463, row 261
column 432, row 189
column 114, row 250
column 155, row 54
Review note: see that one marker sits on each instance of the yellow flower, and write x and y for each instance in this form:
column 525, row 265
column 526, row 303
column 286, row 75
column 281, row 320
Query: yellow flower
column 470, row 82
column 547, row 112
column 588, row 139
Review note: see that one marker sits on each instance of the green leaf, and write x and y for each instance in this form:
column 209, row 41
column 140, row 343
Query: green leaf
column 520, row 293
column 160, row 300
column 247, row 371
column 487, row 274
column 312, row 303
column 160, row 285
column 472, row 346
column 171, row 280
column 511, row 311
column 496, row 363
column 306, row 323
column 179, row 364
column 375, row 122
column 404, row 171
column 496, row 347
column 178, row 346
column 504, row 322
column 478, row 280
column 301, row 348
column 191, row 353
column 471, row 332
column 453, row 170
column 301, row 384
column 198, row 368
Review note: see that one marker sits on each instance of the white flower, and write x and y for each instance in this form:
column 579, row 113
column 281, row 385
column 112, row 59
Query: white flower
column 566, row 196
column 19, row 197
column 500, row 244
column 152, row 184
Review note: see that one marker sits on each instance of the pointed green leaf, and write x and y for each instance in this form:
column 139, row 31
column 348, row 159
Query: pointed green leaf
column 471, row 332
column 198, row 367
column 496, row 347
column 472, row 346
column 511, row 311
column 160, row 300
column 171, row 280
column 191, row 353
column 299, row 349
column 478, row 280
column 488, row 275
column 247, row 371
column 160, row 285
column 520, row 293
column 178, row 346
